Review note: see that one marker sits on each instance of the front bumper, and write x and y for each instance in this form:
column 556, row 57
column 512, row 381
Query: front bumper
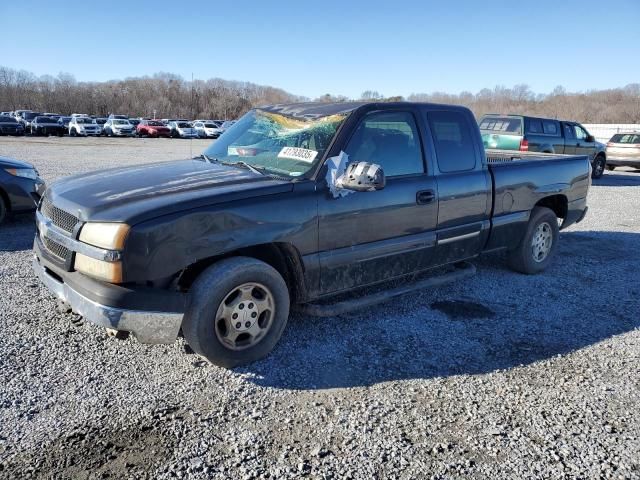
column 147, row 326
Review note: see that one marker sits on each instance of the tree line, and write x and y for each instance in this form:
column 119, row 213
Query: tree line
column 169, row 95
column 163, row 94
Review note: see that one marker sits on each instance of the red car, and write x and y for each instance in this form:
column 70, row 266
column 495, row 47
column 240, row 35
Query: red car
column 153, row 128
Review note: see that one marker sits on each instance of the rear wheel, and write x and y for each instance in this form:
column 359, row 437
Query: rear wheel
column 539, row 244
column 611, row 167
column 237, row 311
column 598, row 166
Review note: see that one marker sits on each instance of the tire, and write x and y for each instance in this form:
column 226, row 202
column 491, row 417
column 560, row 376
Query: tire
column 3, row 210
column 611, row 168
column 74, row 133
column 526, row 257
column 599, row 164
column 217, row 284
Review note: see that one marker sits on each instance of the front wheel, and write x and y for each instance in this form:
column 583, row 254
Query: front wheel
column 597, row 169
column 539, row 244
column 611, row 168
column 237, row 311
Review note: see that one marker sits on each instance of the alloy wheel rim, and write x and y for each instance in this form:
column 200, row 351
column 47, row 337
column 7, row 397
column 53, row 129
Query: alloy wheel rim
column 541, row 242
column 245, row 316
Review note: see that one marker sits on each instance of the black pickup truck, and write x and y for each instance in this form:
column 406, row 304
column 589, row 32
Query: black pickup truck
column 293, row 204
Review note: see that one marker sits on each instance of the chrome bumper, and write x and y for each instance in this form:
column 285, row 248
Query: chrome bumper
column 147, row 327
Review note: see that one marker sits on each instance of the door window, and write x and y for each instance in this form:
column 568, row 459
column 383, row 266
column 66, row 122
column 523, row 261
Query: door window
column 389, row 139
column 452, row 140
column 581, row 133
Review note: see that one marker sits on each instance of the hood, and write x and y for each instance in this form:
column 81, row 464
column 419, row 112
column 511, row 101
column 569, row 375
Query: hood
column 11, row 163
column 135, row 194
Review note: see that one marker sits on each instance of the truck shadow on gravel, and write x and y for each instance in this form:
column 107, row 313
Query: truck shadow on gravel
column 16, row 233
column 618, row 180
column 496, row 320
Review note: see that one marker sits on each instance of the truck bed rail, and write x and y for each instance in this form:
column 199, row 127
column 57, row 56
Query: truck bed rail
column 503, row 156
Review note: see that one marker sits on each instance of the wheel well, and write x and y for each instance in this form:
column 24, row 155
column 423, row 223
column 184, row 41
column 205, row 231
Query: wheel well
column 284, row 257
column 557, row 203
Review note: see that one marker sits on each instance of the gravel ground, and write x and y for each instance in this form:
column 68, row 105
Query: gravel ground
column 499, row 376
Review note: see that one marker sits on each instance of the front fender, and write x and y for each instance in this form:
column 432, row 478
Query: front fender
column 163, row 247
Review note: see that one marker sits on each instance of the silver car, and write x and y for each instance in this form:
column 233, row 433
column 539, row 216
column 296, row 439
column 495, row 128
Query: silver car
column 623, row 150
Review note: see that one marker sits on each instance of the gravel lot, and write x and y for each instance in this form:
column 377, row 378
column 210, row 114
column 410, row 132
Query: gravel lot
column 499, row 376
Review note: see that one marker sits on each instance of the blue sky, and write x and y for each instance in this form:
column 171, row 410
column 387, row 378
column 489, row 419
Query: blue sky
column 344, row 47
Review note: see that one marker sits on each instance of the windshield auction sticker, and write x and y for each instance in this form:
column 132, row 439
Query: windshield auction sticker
column 295, row 153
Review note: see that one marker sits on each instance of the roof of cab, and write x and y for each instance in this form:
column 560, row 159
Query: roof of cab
column 318, row 110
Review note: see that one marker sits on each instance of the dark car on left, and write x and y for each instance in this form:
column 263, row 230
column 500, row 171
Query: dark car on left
column 10, row 126
column 42, row 125
column 20, row 187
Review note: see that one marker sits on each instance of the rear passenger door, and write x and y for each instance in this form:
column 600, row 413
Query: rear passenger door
column 570, row 141
column 464, row 186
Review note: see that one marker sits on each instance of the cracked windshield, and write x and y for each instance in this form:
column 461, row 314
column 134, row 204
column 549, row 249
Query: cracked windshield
column 275, row 143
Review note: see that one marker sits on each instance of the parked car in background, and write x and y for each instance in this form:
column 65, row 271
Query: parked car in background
column 134, row 123
column 64, row 121
column 152, row 128
column 623, row 150
column 83, row 126
column 74, row 115
column 27, row 118
column 43, row 125
column 206, row 129
column 545, row 135
column 182, row 130
column 20, row 187
column 100, row 122
column 10, row 126
column 18, row 114
column 119, row 117
column 227, row 123
column 118, row 127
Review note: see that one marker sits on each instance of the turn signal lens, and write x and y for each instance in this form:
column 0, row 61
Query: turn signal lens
column 108, row 271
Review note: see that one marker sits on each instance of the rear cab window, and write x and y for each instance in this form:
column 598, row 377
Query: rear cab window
column 452, row 140
column 551, row 127
column 534, row 125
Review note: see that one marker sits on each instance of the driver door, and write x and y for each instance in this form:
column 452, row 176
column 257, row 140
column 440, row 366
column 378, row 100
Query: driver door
column 367, row 237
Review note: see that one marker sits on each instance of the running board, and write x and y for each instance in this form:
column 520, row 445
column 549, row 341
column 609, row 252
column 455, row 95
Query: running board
column 463, row 270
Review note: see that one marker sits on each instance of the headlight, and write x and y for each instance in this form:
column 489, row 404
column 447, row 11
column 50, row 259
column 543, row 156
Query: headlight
column 22, row 172
column 107, row 271
column 105, row 235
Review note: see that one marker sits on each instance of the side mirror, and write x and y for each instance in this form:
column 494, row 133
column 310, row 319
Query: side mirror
column 363, row 177
column 590, row 138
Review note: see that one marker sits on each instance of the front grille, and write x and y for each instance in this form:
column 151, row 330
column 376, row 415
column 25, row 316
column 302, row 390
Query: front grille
column 56, row 249
column 58, row 217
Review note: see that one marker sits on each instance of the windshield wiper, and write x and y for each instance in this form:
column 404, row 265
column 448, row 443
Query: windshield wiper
column 240, row 163
column 208, row 159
